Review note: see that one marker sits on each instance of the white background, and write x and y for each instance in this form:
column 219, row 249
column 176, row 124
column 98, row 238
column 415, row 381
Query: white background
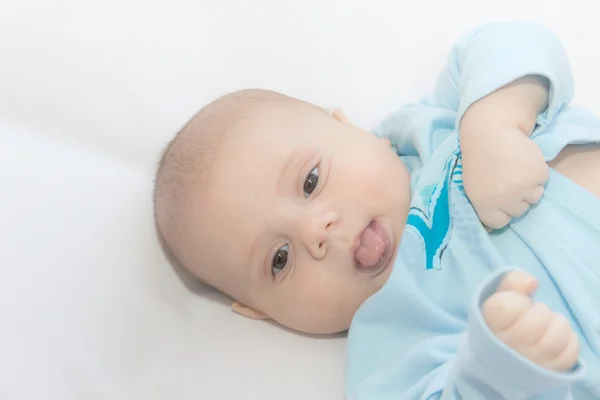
column 90, row 91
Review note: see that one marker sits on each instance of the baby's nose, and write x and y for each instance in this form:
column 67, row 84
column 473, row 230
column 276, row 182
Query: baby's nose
column 315, row 231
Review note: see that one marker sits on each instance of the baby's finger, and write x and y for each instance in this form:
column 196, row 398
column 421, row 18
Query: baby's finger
column 568, row 358
column 556, row 339
column 535, row 194
column 536, row 168
column 518, row 208
column 529, row 329
column 495, row 219
column 518, row 281
column 543, row 173
column 502, row 309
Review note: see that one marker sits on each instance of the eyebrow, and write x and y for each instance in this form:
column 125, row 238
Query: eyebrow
column 299, row 152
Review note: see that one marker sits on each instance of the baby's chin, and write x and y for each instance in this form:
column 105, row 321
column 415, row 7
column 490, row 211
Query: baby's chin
column 326, row 328
column 333, row 322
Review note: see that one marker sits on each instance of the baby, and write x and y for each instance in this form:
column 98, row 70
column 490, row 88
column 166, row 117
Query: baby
column 458, row 244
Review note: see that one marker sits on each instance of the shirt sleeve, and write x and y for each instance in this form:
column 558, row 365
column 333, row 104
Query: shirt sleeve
column 482, row 358
column 458, row 365
column 482, row 62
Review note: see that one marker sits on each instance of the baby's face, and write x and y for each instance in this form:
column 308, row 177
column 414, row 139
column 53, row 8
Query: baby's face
column 306, row 214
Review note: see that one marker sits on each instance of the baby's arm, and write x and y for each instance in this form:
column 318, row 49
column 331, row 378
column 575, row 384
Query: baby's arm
column 516, row 105
column 499, row 80
column 434, row 357
column 490, row 62
column 504, row 171
column 512, row 81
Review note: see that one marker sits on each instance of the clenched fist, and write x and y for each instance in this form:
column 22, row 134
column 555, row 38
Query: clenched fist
column 530, row 328
column 504, row 173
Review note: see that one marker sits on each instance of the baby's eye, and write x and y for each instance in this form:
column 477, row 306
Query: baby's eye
column 280, row 259
column 310, row 183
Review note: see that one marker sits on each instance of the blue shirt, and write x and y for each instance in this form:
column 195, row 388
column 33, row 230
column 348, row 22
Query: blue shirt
column 422, row 336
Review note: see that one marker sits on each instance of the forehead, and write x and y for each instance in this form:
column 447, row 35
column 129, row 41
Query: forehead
column 264, row 142
column 258, row 148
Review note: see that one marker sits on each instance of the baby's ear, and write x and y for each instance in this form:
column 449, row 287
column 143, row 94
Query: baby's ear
column 340, row 116
column 246, row 311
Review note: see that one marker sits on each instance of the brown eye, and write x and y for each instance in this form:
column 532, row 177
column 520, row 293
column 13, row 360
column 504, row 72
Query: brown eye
column 311, row 181
column 280, row 259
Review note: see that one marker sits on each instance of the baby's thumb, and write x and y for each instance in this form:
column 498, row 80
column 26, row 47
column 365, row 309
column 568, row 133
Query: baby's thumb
column 520, row 282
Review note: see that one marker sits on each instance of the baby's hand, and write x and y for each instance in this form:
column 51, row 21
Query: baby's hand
column 529, row 328
column 503, row 173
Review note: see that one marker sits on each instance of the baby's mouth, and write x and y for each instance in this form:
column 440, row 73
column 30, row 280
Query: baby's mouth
column 373, row 250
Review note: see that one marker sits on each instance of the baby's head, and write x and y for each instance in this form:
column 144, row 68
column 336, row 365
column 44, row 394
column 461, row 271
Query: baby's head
column 290, row 210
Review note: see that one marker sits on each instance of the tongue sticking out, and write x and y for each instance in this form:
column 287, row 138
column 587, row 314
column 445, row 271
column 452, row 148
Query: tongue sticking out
column 373, row 242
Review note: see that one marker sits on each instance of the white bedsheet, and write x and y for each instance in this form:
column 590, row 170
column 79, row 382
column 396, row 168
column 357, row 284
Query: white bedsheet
column 91, row 91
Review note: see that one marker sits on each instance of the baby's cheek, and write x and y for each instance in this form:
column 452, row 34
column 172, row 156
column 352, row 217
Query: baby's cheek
column 314, row 286
column 377, row 183
column 321, row 302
